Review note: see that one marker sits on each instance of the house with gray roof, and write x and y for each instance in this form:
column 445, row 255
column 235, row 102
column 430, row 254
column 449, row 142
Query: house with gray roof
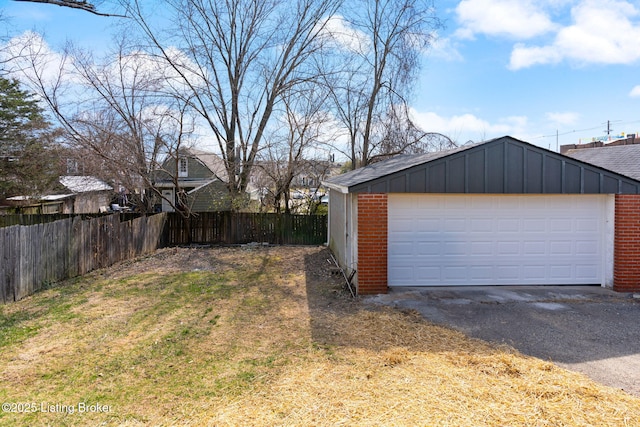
column 201, row 177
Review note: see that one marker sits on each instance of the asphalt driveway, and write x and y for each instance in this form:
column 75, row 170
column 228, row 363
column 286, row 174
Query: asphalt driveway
column 584, row 328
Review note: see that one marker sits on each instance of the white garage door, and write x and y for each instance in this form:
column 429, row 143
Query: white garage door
column 445, row 240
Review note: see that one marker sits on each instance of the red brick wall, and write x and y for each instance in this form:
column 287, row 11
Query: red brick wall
column 372, row 244
column 626, row 254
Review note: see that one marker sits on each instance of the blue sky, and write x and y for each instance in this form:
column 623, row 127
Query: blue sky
column 533, row 68
column 524, row 68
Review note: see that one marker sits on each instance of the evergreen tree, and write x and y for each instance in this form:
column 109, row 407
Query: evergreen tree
column 27, row 164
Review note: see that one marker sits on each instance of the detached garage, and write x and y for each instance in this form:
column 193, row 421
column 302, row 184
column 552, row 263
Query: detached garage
column 502, row 212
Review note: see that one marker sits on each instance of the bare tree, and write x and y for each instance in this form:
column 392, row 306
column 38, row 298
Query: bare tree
column 292, row 145
column 115, row 112
column 380, row 45
column 235, row 60
column 239, row 64
column 74, row 4
column 399, row 135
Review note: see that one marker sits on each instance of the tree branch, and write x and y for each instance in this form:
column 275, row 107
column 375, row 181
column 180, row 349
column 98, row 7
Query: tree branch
column 75, row 4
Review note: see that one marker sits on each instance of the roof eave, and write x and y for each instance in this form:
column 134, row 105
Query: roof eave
column 340, row 188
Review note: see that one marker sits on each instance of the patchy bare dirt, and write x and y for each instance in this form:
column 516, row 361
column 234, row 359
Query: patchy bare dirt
column 315, row 262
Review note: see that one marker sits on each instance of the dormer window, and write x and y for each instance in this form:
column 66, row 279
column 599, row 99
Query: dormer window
column 183, row 167
column 72, row 167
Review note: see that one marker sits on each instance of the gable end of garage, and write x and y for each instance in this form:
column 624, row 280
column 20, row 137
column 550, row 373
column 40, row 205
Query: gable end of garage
column 502, row 166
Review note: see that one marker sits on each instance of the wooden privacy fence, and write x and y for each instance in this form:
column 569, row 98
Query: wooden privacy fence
column 32, row 256
column 235, row 228
column 8, row 220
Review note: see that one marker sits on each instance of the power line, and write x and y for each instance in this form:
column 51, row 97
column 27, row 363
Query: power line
column 568, row 132
column 555, row 135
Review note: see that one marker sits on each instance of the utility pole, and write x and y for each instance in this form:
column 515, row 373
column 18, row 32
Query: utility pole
column 608, row 128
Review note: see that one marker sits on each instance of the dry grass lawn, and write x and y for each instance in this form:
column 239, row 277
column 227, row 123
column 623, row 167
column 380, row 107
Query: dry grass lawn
column 265, row 337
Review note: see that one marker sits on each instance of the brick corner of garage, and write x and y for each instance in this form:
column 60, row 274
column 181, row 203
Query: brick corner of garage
column 372, row 276
column 626, row 275
column 627, row 284
column 372, row 243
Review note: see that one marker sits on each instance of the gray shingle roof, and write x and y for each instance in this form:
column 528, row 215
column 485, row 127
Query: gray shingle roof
column 83, row 184
column 622, row 159
column 389, row 166
column 212, row 161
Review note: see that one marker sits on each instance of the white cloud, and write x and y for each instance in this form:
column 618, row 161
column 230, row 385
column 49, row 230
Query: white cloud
column 566, row 118
column 512, row 18
column 602, row 31
column 445, row 49
column 468, row 126
column 29, row 58
column 344, row 36
column 523, row 56
column 635, row 92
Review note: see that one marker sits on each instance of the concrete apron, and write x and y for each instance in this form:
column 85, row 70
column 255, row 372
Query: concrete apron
column 588, row 329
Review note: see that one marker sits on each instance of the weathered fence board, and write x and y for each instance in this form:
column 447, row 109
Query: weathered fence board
column 34, row 255
column 237, row 228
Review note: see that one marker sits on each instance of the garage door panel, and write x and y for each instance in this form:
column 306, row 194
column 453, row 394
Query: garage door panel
column 427, row 248
column 586, row 225
column 454, row 273
column 559, row 225
column 402, row 274
column 404, row 249
column 482, row 224
column 586, row 247
column 508, row 248
column 455, row 224
column 480, row 248
column 561, row 272
column 510, row 273
column 426, row 224
column 535, row 248
column 561, row 247
column 483, row 240
column 585, row 271
column 402, row 225
column 508, row 225
column 453, row 248
column 480, row 272
column 535, row 272
column 538, row 225
column 428, row 274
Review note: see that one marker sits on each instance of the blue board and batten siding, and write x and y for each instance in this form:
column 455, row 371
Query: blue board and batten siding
column 501, row 166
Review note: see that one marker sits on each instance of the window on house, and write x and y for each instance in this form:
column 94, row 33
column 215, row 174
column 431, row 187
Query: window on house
column 183, row 167
column 72, row 167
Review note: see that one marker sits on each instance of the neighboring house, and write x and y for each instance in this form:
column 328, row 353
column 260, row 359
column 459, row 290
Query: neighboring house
column 201, row 176
column 305, row 185
column 502, row 212
column 76, row 195
column 88, row 193
column 622, row 156
column 312, row 172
